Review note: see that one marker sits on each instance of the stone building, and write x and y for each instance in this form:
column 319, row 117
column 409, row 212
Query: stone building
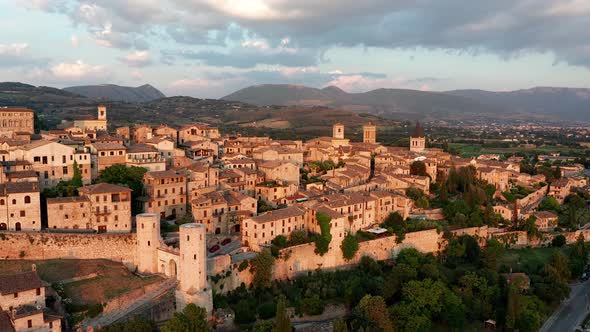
column 106, row 155
column 142, row 133
column 110, row 207
column 53, row 161
column 197, row 132
column 201, row 178
column 284, row 171
column 166, row 193
column 22, row 304
column 258, row 232
column 20, row 208
column 166, row 131
column 222, row 211
column 16, row 120
column 69, row 213
column 146, row 156
column 98, row 124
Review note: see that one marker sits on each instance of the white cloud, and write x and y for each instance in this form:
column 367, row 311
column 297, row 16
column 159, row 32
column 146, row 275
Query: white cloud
column 18, row 49
column 137, row 59
column 137, row 75
column 75, row 41
column 78, row 70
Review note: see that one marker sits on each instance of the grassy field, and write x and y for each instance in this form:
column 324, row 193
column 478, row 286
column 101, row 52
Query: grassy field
column 528, row 260
column 473, row 150
column 112, row 279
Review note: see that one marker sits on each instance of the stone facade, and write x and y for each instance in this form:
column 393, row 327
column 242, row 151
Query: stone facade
column 20, row 208
column 16, row 120
column 53, row 161
column 110, row 207
column 166, row 193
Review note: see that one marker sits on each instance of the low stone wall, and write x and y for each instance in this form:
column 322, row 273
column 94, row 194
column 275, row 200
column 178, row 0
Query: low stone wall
column 125, row 300
column 115, row 247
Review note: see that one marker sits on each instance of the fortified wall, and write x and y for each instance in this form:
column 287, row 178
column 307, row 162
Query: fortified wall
column 299, row 259
column 115, row 247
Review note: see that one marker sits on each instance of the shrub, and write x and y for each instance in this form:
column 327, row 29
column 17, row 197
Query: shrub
column 243, row 265
column 267, row 310
column 94, row 310
column 558, row 241
column 350, row 247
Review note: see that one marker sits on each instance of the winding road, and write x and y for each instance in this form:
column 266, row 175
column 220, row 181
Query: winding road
column 572, row 311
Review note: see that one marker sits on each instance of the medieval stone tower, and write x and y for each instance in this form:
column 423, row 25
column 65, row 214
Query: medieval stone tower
column 193, row 286
column 418, row 139
column 338, row 131
column 148, row 241
column 370, row 133
column 102, row 112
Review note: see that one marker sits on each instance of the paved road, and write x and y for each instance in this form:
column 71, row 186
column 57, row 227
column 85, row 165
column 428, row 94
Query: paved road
column 572, row 311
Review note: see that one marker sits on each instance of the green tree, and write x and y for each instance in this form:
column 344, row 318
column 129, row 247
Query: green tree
column 550, row 203
column 77, row 177
column 322, row 242
column 350, row 247
column 371, row 314
column 191, row 319
column 131, row 177
column 282, row 321
column 261, row 266
column 418, row 168
column 558, row 241
column 340, row 326
column 135, row 324
column 395, row 223
column 263, row 326
column 422, row 202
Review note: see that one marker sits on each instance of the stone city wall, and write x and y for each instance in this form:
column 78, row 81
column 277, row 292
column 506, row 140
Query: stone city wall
column 299, row 259
column 115, row 247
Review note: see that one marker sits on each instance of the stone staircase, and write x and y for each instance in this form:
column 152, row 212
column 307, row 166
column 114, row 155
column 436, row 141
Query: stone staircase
column 116, row 315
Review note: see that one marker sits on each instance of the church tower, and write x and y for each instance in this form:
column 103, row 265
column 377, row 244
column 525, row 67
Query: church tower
column 102, row 112
column 370, row 133
column 418, row 139
column 338, row 131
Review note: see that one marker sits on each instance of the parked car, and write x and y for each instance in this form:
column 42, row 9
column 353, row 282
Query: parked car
column 225, row 241
column 214, row 248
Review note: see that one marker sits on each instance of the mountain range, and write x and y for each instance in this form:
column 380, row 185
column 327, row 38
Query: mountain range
column 541, row 103
column 140, row 94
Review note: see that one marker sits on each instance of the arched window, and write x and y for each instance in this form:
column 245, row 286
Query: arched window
column 14, row 202
column 1, row 202
column 27, row 199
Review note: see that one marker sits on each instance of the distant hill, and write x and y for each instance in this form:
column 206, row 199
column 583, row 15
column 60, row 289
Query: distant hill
column 55, row 105
column 542, row 103
column 564, row 103
column 392, row 103
column 114, row 92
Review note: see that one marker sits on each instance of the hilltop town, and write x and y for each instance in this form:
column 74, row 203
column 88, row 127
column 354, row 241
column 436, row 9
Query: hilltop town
column 194, row 212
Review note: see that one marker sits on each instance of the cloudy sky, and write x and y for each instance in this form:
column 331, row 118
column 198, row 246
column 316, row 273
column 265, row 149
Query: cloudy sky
column 208, row 48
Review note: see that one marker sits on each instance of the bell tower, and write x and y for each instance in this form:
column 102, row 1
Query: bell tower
column 370, row 133
column 338, row 131
column 418, row 139
column 102, row 112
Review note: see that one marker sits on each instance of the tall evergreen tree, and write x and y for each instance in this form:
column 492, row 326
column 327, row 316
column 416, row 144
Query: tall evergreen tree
column 282, row 321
